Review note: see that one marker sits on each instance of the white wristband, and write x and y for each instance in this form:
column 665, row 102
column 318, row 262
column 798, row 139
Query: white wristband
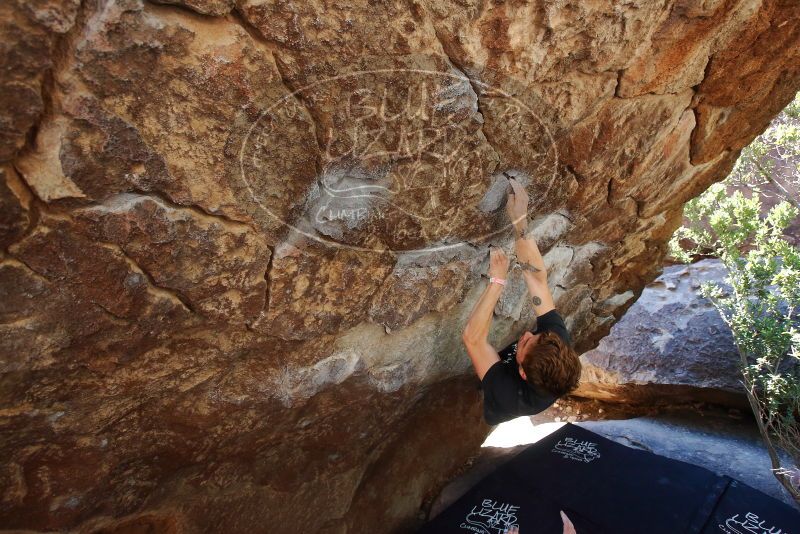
column 500, row 281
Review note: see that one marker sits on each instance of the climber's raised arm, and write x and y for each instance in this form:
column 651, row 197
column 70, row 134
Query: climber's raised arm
column 476, row 332
column 526, row 377
column 528, row 255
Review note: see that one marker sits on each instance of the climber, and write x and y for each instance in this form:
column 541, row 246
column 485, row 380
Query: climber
column 529, row 375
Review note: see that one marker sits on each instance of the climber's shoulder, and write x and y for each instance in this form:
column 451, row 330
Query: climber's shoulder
column 506, row 395
column 554, row 322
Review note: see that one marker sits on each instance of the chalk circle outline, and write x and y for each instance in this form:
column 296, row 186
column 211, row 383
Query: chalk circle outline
column 436, row 248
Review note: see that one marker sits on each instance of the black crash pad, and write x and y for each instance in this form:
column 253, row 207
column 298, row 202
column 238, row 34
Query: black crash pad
column 745, row 510
column 606, row 487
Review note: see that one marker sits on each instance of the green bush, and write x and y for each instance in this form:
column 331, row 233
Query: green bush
column 761, row 304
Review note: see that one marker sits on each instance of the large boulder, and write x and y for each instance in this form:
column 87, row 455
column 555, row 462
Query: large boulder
column 670, row 346
column 240, row 239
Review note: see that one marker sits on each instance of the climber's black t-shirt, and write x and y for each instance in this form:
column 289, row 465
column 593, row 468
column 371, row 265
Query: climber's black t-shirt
column 505, row 394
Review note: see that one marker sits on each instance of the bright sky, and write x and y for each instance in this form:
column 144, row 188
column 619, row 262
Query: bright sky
column 519, row 431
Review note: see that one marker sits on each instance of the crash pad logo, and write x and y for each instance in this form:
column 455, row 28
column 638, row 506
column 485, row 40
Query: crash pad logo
column 491, row 517
column 573, row 449
column 404, row 159
column 749, row 524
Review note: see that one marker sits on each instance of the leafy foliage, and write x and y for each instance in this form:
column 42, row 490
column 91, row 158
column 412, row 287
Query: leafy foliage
column 774, row 157
column 761, row 303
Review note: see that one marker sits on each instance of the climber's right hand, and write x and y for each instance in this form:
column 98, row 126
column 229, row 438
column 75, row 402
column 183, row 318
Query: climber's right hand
column 498, row 263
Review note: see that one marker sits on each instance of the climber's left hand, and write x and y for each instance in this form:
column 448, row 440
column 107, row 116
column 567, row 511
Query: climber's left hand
column 517, row 206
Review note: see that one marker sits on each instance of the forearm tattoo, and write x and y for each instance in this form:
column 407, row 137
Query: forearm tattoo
column 536, row 300
column 525, row 266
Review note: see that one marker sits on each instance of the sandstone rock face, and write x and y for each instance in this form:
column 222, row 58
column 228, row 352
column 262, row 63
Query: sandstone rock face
column 670, row 346
column 240, row 239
